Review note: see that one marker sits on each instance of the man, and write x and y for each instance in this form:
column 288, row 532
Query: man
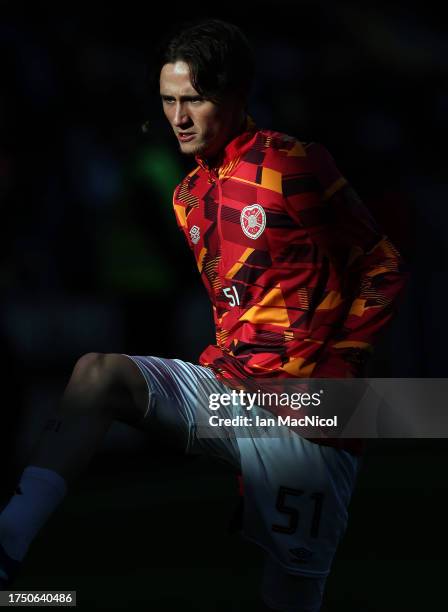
column 301, row 281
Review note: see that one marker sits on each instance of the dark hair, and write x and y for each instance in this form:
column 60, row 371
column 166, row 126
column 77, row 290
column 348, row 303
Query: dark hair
column 220, row 58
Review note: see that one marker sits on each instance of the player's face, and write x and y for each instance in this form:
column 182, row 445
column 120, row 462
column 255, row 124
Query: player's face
column 202, row 127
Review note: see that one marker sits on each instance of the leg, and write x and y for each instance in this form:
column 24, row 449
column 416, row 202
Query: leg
column 102, row 388
column 155, row 394
column 296, row 497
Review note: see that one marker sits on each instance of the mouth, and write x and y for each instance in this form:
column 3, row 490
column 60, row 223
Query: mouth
column 186, row 136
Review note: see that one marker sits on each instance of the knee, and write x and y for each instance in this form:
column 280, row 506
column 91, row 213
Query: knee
column 93, row 374
column 107, row 384
column 90, row 368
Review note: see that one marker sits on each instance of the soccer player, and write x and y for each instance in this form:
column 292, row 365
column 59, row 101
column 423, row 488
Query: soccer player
column 301, row 281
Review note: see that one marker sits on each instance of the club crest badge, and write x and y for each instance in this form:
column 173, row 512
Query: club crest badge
column 253, row 220
column 195, row 234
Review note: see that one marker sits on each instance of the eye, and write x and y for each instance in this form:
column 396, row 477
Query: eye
column 197, row 101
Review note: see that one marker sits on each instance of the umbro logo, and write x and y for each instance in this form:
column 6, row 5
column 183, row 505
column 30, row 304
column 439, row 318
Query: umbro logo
column 300, row 555
column 195, row 234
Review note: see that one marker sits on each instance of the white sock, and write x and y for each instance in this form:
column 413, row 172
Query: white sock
column 37, row 496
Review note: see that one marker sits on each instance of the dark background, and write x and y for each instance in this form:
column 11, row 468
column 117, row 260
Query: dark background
column 92, row 260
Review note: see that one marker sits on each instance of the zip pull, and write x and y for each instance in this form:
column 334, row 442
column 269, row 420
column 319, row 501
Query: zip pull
column 212, row 176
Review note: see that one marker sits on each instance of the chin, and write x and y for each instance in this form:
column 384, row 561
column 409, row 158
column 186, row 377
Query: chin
column 191, row 149
column 184, row 148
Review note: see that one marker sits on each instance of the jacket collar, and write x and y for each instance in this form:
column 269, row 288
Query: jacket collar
column 233, row 150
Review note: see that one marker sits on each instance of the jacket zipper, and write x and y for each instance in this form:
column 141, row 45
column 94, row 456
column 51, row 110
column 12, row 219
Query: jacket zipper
column 218, row 182
column 213, row 177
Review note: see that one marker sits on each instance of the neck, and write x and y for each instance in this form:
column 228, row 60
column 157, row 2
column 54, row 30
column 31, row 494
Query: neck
column 239, row 126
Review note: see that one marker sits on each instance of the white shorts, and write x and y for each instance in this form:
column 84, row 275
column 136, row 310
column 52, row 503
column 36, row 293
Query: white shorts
column 296, row 492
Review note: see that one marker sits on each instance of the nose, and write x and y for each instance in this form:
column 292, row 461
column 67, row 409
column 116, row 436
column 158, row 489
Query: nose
column 180, row 115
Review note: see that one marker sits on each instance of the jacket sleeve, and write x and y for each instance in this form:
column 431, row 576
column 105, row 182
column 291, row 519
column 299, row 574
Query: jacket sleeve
column 372, row 269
